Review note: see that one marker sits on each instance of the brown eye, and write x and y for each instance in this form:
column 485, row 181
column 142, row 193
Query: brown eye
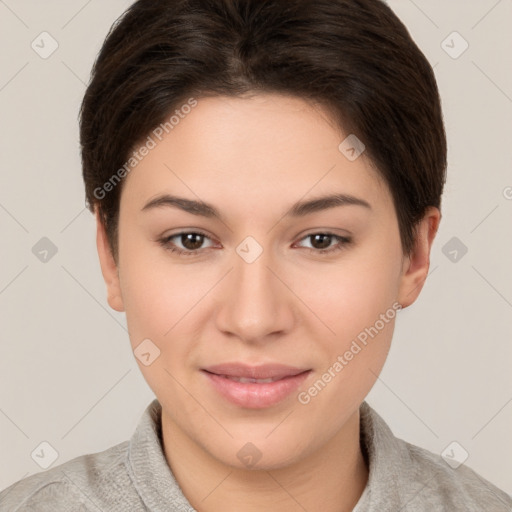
column 322, row 243
column 192, row 241
column 321, row 240
column 186, row 243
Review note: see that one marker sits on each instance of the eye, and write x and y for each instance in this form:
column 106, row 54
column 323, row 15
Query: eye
column 321, row 242
column 191, row 242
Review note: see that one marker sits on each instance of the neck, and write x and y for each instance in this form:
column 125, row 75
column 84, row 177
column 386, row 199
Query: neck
column 332, row 479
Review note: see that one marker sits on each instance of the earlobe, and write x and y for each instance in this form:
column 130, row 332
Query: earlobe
column 109, row 267
column 416, row 265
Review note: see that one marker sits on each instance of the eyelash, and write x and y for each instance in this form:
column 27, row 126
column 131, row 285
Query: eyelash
column 166, row 243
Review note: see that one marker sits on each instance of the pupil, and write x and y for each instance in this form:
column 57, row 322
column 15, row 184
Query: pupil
column 194, row 241
column 188, row 241
column 326, row 239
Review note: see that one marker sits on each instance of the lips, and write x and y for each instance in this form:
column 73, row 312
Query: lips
column 246, row 380
column 262, row 372
column 255, row 387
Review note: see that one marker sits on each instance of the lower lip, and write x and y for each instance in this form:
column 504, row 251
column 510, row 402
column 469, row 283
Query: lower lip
column 253, row 395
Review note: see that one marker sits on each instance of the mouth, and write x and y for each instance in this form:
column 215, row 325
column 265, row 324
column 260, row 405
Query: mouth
column 245, row 380
column 255, row 387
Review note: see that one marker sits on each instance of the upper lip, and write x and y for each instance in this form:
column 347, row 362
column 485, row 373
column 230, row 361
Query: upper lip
column 264, row 371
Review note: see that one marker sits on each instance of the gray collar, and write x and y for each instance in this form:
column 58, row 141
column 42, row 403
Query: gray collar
column 386, row 455
column 148, row 466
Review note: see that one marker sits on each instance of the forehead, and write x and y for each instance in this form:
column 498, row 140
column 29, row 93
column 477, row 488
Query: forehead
column 257, row 151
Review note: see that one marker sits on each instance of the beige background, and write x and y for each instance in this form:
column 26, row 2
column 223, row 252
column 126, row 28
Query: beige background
column 67, row 374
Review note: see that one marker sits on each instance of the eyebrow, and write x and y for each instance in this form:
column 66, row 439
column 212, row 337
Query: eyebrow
column 299, row 209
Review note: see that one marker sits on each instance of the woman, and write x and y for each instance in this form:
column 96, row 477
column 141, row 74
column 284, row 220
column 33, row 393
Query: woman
column 266, row 178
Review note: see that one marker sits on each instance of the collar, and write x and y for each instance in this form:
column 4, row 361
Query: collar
column 159, row 490
column 148, row 468
column 386, row 458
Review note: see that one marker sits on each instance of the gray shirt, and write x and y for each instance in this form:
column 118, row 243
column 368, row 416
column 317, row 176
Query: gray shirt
column 134, row 476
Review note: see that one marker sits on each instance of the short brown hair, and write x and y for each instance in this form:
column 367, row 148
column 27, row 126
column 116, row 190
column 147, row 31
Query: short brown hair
column 353, row 56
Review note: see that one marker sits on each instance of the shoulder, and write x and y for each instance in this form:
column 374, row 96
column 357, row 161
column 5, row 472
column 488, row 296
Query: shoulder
column 445, row 488
column 85, row 483
column 404, row 476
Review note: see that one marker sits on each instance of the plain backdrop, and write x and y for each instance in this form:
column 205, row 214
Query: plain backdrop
column 68, row 376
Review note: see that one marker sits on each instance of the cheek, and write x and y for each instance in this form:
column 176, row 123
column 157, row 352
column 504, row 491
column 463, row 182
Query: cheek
column 165, row 301
column 157, row 297
column 159, row 302
column 356, row 300
column 350, row 295
column 351, row 359
column 338, row 299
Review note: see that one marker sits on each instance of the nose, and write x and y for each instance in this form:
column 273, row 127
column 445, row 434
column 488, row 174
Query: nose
column 255, row 304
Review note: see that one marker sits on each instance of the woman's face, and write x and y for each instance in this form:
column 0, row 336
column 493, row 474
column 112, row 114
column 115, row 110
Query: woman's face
column 268, row 289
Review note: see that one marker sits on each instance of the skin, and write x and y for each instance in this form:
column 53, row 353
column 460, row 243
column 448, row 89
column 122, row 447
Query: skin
column 252, row 158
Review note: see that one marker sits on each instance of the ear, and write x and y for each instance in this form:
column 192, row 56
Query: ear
column 108, row 265
column 415, row 266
